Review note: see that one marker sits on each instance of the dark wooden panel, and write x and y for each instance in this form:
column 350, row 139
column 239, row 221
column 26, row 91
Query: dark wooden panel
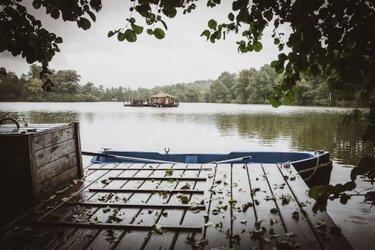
column 56, row 136
column 54, row 168
column 13, row 144
column 54, row 152
column 60, row 181
column 78, row 149
column 14, row 162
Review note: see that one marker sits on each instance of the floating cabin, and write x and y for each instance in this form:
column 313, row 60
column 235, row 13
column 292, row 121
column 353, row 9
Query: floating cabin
column 164, row 100
column 159, row 100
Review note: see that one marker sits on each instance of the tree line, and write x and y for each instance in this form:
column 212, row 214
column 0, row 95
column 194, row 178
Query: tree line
column 249, row 86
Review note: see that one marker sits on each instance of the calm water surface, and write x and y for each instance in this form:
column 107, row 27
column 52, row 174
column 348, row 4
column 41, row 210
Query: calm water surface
column 222, row 128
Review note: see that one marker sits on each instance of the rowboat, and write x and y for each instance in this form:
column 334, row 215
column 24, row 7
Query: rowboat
column 314, row 166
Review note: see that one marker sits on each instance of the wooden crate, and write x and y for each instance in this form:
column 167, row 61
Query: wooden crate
column 38, row 160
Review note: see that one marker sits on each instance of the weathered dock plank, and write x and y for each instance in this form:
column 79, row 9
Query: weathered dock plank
column 138, row 206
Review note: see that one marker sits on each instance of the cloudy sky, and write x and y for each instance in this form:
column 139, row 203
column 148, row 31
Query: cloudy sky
column 182, row 56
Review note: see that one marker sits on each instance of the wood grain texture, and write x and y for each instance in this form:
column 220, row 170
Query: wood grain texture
column 160, row 220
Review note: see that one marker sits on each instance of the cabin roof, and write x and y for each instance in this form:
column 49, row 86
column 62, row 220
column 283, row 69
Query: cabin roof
column 162, row 94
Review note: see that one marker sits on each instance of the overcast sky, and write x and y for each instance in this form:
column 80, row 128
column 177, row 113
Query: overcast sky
column 182, row 56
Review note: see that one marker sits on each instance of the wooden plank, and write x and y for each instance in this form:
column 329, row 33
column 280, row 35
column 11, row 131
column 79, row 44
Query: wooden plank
column 122, row 190
column 51, row 238
column 55, row 168
column 219, row 217
column 264, row 203
column 76, row 238
column 78, row 149
column 157, row 169
column 242, row 209
column 166, row 178
column 138, row 239
column 134, row 205
column 303, row 234
column 107, row 239
column 54, row 136
column 165, row 218
column 59, row 182
column 37, row 196
column 79, row 192
column 54, row 152
column 186, row 240
column 117, row 226
column 321, row 222
column 48, row 205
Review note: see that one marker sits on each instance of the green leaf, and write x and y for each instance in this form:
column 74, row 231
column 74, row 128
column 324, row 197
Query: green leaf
column 344, row 198
column 59, row 40
column 132, row 20
column 212, row 24
column 159, row 33
column 185, row 187
column 183, row 198
column 130, row 35
column 276, row 41
column 137, row 29
column 257, row 46
column 206, row 33
column 121, row 36
column 164, row 24
column 92, row 16
column 274, row 63
column 150, row 31
column 231, row 16
column 169, row 171
column 37, row 4
column 55, row 13
column 110, row 33
column 85, row 23
column 232, row 201
column 268, row 15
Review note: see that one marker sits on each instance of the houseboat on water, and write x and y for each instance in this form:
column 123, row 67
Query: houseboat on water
column 159, row 100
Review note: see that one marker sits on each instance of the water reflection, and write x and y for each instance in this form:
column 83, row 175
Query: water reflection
column 310, row 131
column 204, row 127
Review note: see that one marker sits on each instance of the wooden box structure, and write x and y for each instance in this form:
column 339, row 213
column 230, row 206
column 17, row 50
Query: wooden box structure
column 37, row 161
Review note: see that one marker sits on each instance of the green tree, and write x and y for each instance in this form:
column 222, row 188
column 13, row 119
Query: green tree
column 10, row 87
column 334, row 38
column 262, row 84
column 243, row 81
column 219, row 92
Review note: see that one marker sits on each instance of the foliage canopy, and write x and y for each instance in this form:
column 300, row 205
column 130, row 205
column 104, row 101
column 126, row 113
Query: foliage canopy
column 329, row 37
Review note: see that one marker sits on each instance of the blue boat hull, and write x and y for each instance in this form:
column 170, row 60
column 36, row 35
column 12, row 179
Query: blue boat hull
column 315, row 164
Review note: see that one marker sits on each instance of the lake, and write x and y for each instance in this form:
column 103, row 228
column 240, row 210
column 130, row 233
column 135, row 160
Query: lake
column 221, row 128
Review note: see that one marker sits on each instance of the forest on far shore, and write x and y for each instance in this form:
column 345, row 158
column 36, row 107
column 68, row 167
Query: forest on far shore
column 249, row 86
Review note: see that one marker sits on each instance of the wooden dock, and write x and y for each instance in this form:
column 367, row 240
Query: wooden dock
column 161, row 206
